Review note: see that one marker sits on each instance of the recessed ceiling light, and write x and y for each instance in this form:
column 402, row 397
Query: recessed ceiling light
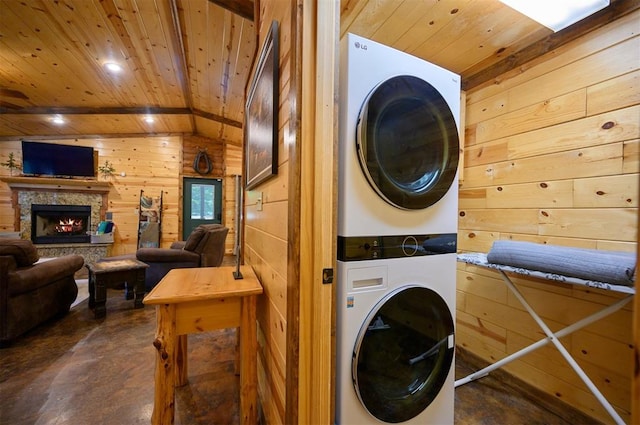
column 58, row 120
column 557, row 14
column 148, row 119
column 113, row 67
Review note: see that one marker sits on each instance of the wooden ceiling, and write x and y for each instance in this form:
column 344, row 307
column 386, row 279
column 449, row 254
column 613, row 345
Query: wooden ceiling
column 187, row 62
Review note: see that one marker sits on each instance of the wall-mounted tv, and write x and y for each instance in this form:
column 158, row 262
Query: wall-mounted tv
column 49, row 159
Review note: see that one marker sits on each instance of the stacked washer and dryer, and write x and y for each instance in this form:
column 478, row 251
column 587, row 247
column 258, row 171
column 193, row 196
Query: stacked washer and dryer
column 397, row 226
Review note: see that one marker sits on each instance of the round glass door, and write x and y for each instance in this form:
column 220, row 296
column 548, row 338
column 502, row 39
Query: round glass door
column 407, row 142
column 403, row 354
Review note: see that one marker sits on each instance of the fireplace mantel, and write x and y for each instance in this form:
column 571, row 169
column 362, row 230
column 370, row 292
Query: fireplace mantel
column 56, row 184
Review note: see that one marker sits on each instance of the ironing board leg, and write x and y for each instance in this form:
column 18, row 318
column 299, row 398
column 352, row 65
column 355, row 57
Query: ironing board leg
column 554, row 338
column 561, row 333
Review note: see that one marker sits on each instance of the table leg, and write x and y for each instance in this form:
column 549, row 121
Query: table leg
column 138, row 288
column 248, row 361
column 181, row 361
column 128, row 289
column 165, row 345
column 92, row 290
column 100, row 294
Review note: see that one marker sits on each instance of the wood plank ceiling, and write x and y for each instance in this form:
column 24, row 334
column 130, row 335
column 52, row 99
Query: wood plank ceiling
column 187, row 62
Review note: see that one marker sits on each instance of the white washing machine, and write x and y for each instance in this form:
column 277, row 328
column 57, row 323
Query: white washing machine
column 396, row 341
column 397, row 231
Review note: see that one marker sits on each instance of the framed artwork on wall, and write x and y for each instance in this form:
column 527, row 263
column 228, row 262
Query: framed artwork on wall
column 261, row 115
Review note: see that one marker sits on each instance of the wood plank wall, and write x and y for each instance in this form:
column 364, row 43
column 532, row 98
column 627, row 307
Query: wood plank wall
column 213, row 148
column 152, row 164
column 551, row 157
column 226, row 158
column 6, row 209
column 266, row 233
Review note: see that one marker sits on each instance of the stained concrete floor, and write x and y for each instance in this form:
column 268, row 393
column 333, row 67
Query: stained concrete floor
column 78, row 370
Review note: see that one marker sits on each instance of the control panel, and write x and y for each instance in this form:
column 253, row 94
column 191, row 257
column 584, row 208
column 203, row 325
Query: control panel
column 357, row 248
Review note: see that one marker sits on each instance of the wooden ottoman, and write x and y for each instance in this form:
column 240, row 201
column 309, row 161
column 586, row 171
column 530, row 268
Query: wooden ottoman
column 105, row 273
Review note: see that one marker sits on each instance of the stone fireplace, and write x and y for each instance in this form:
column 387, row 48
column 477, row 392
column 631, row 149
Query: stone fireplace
column 28, row 199
column 52, row 200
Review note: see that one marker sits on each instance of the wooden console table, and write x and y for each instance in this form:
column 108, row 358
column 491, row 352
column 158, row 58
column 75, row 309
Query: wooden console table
column 199, row 300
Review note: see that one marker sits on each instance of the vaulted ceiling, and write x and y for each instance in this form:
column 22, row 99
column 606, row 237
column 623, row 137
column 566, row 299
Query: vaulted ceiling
column 187, row 62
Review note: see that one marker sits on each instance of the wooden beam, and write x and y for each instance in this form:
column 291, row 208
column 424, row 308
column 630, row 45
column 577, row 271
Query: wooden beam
column 616, row 10
column 87, row 110
column 140, row 110
column 217, row 118
column 91, row 136
column 243, row 8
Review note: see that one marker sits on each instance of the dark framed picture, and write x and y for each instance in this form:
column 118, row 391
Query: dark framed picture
column 261, row 115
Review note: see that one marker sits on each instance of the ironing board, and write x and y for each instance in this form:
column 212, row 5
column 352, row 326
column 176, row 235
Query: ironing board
column 480, row 259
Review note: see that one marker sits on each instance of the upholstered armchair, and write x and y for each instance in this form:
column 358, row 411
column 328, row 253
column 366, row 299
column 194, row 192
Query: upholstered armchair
column 32, row 291
column 203, row 248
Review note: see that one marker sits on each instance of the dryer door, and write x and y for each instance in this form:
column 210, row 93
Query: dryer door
column 403, row 354
column 407, row 142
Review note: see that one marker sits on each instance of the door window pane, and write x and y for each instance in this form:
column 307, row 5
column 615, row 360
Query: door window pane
column 202, row 201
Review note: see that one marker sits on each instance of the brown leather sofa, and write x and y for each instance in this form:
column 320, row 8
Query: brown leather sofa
column 203, row 248
column 33, row 292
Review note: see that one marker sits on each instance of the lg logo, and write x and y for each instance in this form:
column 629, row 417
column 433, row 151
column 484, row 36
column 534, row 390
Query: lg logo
column 360, row 46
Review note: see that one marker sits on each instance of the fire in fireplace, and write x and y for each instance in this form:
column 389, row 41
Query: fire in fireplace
column 60, row 223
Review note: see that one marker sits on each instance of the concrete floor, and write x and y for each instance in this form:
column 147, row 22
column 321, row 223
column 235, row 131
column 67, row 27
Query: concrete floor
column 78, row 370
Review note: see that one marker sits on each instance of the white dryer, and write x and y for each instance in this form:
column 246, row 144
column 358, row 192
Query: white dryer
column 397, row 230
column 399, row 145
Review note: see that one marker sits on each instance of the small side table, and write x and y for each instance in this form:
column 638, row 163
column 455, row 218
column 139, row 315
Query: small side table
column 103, row 274
column 200, row 300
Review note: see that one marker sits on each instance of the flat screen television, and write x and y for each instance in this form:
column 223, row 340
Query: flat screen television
column 49, row 159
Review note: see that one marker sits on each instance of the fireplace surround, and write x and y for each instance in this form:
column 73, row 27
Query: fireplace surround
column 27, row 191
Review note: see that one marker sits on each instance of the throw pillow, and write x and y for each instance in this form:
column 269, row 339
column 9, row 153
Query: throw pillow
column 194, row 238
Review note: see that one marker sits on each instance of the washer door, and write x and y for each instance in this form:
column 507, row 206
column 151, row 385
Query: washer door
column 407, row 142
column 403, row 354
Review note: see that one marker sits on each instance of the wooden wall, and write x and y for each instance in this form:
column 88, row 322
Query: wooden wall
column 551, row 157
column 266, row 233
column 227, row 161
column 6, row 210
column 213, row 148
column 154, row 164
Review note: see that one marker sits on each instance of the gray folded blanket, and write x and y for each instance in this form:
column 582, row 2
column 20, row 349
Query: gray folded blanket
column 614, row 267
